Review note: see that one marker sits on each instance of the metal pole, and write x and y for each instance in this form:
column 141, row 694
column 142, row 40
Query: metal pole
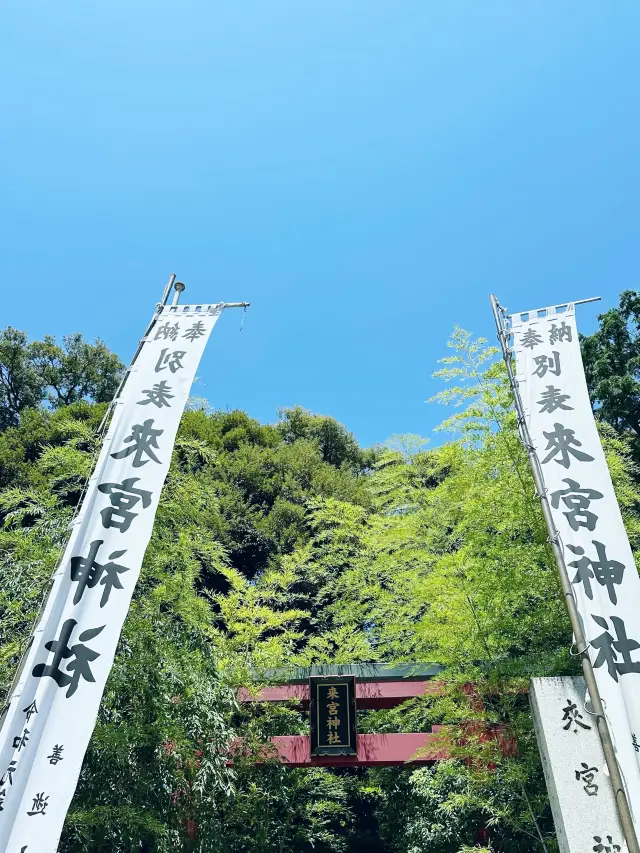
column 582, row 301
column 152, row 322
column 167, row 290
column 622, row 803
column 178, row 288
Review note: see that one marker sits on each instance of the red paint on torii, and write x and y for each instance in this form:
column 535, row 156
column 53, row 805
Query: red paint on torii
column 369, row 694
column 377, row 686
column 374, row 750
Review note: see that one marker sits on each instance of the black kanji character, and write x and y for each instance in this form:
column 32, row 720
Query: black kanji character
column 563, row 441
column 21, row 740
column 80, row 655
column 587, row 774
column 123, row 497
column 608, row 648
column 39, row 804
column 547, row 363
column 144, row 439
column 602, row 847
column 196, row 331
column 158, row 395
column 11, row 769
column 577, row 500
column 553, row 399
column 88, row 572
column 530, row 339
column 30, row 710
column 608, row 573
column 56, row 755
column 3, row 794
column 167, row 332
column 172, row 360
column 559, row 334
column 573, row 717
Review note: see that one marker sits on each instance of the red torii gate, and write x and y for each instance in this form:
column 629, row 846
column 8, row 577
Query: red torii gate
column 377, row 686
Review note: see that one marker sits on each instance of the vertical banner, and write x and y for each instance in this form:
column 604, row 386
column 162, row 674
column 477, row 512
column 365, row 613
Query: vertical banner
column 585, row 511
column 53, row 708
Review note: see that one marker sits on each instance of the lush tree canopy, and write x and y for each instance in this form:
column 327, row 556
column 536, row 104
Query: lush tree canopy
column 612, row 365
column 42, row 370
column 288, row 544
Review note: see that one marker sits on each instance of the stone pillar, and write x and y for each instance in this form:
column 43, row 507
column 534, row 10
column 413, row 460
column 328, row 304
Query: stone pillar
column 580, row 791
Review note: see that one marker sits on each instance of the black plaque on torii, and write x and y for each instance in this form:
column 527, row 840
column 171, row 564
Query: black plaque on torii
column 332, row 711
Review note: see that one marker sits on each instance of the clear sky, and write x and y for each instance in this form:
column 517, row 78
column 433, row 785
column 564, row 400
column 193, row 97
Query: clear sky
column 364, row 172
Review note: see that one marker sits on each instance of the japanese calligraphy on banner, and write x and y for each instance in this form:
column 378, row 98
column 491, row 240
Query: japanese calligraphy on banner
column 599, row 560
column 53, row 708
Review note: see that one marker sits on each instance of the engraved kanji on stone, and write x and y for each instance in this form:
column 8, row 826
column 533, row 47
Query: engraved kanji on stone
column 605, row 846
column 587, row 774
column 573, row 717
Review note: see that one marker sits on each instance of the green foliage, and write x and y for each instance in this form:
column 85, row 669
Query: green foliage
column 20, row 386
column 42, row 370
column 611, row 359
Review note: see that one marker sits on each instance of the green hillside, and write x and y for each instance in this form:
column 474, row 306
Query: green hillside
column 287, row 544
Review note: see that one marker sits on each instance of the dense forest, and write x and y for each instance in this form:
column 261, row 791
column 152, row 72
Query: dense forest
column 287, row 544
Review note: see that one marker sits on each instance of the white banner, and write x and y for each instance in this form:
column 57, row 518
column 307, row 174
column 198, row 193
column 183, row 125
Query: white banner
column 53, row 709
column 601, row 567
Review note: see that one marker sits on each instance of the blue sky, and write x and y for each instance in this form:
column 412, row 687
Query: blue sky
column 364, row 172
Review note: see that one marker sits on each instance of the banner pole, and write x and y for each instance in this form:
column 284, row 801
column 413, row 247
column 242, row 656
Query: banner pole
column 160, row 305
column 608, row 748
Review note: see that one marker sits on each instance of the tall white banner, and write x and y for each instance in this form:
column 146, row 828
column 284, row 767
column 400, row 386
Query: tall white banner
column 601, row 567
column 53, row 709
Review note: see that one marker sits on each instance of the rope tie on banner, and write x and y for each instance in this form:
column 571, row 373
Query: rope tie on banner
column 242, row 318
